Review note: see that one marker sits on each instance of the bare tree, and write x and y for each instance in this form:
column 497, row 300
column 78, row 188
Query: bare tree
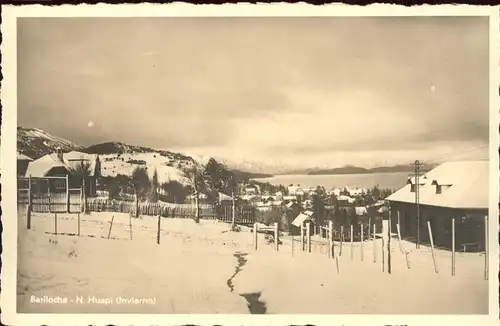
column 82, row 173
column 197, row 183
column 141, row 184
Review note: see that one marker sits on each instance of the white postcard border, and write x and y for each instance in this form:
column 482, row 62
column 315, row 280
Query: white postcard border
column 8, row 149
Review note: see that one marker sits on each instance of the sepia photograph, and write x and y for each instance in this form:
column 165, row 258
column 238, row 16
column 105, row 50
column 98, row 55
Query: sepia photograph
column 272, row 165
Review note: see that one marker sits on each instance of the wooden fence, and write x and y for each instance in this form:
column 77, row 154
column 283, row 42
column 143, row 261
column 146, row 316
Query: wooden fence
column 244, row 214
column 150, row 208
column 53, row 202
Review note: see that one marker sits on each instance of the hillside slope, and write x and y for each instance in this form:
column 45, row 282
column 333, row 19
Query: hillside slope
column 36, row 143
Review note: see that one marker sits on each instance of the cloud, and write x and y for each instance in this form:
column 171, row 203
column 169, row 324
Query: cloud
column 267, row 88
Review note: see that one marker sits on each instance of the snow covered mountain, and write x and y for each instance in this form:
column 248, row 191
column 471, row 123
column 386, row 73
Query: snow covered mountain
column 116, row 158
column 36, row 143
column 119, row 158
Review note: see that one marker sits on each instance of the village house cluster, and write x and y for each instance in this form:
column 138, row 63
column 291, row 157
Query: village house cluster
column 453, row 190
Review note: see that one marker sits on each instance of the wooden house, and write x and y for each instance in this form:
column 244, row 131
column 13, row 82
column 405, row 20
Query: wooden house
column 453, row 190
column 74, row 164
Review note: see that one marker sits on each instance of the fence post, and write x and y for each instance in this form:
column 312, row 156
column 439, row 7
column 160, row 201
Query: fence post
column 136, row 205
column 362, row 241
column 302, row 236
column 276, row 236
column 67, row 193
column 432, row 247
column 399, row 238
column 255, row 238
column 55, row 223
column 130, row 224
column 486, row 247
column 30, row 196
column 28, row 217
column 159, row 229
column 352, row 242
column 293, row 244
column 331, row 245
column 384, row 235
column 308, row 235
column 369, row 227
column 403, row 251
column 452, row 246
column 389, row 236
column 374, row 243
column 78, row 223
column 111, row 226
column 341, row 239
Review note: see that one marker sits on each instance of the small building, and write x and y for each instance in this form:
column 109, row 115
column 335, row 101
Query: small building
column 251, row 190
column 22, row 164
column 300, row 221
column 290, row 198
column 74, row 164
column 295, row 191
column 453, row 190
column 224, row 198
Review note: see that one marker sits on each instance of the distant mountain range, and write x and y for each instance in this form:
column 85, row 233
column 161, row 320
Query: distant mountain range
column 35, row 143
column 117, row 157
column 349, row 169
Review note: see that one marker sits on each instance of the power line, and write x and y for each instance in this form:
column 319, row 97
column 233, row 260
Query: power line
column 417, row 175
column 435, row 160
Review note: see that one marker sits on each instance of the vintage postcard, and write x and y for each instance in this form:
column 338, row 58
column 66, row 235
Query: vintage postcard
column 250, row 164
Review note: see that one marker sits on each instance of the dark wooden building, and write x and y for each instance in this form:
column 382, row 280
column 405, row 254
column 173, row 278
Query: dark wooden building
column 453, row 190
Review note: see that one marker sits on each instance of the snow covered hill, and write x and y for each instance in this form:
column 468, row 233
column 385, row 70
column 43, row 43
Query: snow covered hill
column 116, row 158
column 168, row 167
column 36, row 143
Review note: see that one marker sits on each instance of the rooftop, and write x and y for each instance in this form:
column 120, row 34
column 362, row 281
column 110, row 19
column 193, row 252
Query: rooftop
column 466, row 184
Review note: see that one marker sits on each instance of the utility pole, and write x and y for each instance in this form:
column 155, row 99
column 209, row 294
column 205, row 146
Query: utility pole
column 417, row 166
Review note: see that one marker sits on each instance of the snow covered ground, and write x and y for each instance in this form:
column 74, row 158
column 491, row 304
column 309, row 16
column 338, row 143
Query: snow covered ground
column 168, row 168
column 203, row 268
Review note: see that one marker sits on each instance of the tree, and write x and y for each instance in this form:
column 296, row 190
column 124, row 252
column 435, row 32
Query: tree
column 141, row 185
column 124, row 182
column 175, row 192
column 154, row 186
column 197, row 184
column 113, row 189
column 140, row 182
column 82, row 173
column 318, row 207
column 220, row 179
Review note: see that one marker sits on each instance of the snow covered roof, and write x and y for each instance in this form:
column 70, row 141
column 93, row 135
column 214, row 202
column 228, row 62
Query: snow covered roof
column 22, row 157
column 300, row 219
column 224, row 197
column 421, row 181
column 248, row 197
column 309, row 213
column 361, row 210
column 467, row 183
column 346, row 198
column 40, row 167
column 74, row 158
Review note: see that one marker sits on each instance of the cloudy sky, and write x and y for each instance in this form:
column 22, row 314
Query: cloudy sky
column 298, row 92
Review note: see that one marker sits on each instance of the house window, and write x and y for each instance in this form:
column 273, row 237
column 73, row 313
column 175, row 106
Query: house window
column 438, row 189
column 59, row 184
column 412, row 188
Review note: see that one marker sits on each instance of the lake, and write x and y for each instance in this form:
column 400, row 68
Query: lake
column 383, row 180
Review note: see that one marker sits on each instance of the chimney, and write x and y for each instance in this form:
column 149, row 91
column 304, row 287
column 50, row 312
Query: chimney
column 59, row 154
